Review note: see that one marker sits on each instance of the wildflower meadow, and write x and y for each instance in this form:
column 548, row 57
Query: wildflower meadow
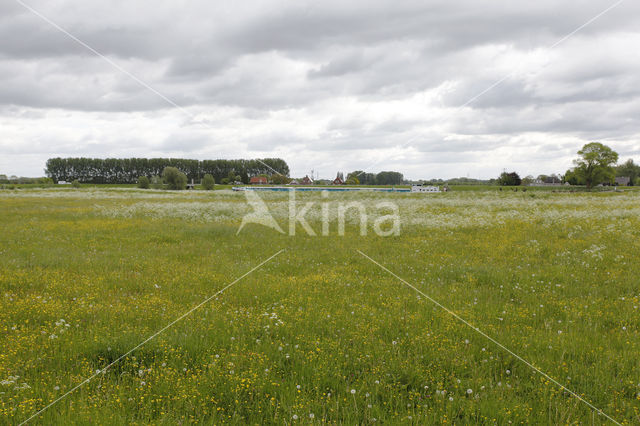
column 150, row 307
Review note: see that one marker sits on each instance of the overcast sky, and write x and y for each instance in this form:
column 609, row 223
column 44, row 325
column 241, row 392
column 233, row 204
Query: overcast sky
column 326, row 85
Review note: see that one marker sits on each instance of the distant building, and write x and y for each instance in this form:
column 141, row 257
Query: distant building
column 294, row 182
column 546, row 181
column 258, row 180
column 306, row 181
column 338, row 181
column 421, row 188
column 623, row 180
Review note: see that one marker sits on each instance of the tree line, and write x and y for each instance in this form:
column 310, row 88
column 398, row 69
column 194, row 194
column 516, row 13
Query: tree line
column 128, row 170
column 383, row 178
column 595, row 165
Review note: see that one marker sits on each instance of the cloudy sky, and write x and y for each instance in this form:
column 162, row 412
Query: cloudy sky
column 326, row 85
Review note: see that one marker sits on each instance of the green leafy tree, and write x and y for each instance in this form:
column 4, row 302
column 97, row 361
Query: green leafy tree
column 595, row 164
column 208, row 182
column 279, row 179
column 174, row 178
column 509, row 179
column 389, row 178
column 143, row 182
column 572, row 178
column 528, row 180
column 629, row 169
column 363, row 178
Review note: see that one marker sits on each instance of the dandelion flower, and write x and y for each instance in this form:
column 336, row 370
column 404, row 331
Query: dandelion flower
column 353, row 391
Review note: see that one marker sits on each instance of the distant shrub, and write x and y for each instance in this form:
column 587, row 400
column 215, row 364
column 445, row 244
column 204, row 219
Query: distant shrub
column 208, row 182
column 174, row 178
column 75, row 184
column 143, row 182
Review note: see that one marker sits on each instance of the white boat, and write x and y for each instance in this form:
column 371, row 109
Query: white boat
column 421, row 188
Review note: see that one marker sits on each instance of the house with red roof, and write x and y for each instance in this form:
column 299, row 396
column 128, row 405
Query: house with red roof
column 258, row 180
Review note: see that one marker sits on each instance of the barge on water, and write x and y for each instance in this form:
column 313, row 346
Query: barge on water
column 318, row 188
column 414, row 188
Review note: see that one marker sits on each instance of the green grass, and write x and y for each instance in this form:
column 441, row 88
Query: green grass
column 553, row 277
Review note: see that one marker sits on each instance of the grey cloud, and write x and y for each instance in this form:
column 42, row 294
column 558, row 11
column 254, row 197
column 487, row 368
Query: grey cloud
column 346, row 64
column 185, row 144
column 387, row 51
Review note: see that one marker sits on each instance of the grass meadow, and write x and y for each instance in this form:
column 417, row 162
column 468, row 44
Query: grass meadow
column 319, row 334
